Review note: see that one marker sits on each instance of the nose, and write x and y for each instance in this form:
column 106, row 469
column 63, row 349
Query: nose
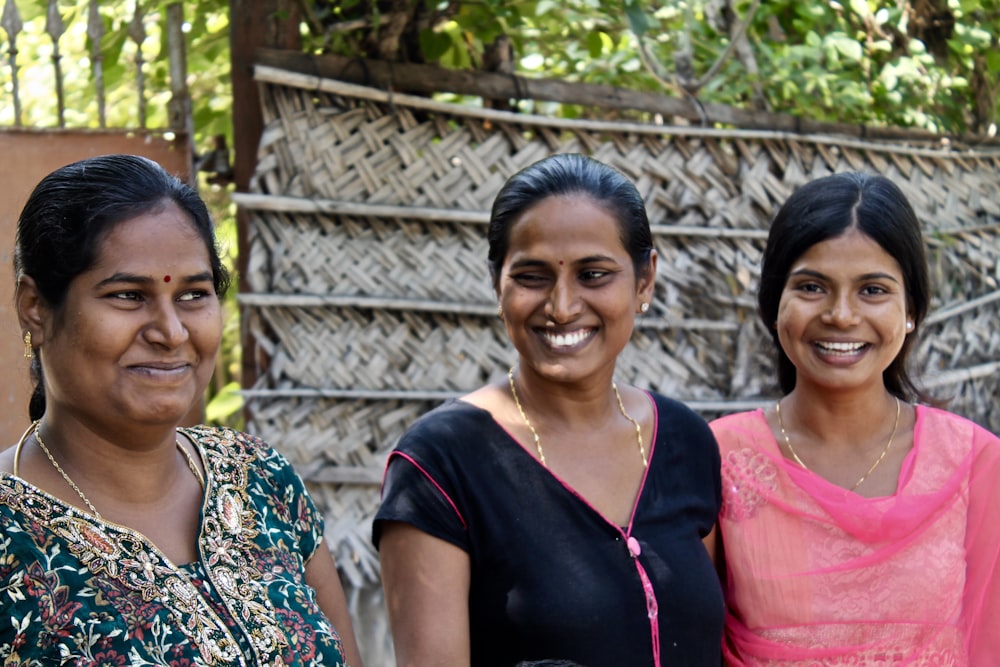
column 842, row 312
column 564, row 302
column 166, row 327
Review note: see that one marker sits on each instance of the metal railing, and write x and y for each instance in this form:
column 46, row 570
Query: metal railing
column 80, row 42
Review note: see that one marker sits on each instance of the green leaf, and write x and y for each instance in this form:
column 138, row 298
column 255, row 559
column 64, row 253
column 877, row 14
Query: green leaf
column 456, row 55
column 595, row 44
column 860, row 7
column 993, row 60
column 637, row 19
column 847, row 47
column 434, row 44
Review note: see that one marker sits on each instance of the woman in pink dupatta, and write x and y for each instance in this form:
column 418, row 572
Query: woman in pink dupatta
column 854, row 519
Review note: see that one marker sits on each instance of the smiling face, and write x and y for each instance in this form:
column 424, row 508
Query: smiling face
column 568, row 288
column 843, row 316
column 136, row 338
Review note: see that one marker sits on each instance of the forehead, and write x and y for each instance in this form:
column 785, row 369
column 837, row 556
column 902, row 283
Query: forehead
column 567, row 219
column 850, row 253
column 165, row 236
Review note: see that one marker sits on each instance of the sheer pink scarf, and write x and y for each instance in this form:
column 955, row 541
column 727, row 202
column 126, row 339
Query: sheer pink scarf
column 818, row 575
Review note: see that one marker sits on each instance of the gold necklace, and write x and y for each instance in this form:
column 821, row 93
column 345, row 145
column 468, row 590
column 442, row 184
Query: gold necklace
column 34, row 428
column 885, row 450
column 538, row 442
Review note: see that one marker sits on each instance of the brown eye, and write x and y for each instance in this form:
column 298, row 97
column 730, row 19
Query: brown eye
column 193, row 295
column 126, row 296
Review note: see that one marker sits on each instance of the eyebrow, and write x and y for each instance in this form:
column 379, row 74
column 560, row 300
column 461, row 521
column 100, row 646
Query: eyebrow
column 877, row 275
column 590, row 259
column 134, row 279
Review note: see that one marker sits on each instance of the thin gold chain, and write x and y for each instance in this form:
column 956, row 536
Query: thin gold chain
column 638, row 429
column 55, row 464
column 885, row 450
column 534, row 433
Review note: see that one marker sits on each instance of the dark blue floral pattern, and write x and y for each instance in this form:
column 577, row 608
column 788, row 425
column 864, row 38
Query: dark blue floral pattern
column 76, row 590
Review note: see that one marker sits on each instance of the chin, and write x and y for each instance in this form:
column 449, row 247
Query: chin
column 172, row 413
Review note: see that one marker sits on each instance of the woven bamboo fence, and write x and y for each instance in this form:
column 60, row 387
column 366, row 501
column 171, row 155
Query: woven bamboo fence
column 370, row 302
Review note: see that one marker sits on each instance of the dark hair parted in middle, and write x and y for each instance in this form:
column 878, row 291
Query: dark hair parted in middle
column 570, row 174
column 824, row 209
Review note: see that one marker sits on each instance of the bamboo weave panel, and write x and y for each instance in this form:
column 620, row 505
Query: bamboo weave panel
column 322, row 145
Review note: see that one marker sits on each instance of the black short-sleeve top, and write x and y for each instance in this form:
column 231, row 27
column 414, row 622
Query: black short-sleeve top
column 552, row 578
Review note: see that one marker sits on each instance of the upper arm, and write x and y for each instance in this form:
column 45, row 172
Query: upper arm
column 322, row 576
column 426, row 582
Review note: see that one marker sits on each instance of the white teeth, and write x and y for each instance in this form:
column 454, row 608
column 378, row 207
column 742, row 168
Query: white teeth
column 569, row 339
column 839, row 347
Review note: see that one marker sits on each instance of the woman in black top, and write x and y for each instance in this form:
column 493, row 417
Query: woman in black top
column 556, row 514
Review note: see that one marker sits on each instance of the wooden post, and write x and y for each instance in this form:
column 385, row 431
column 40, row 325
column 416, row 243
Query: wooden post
column 253, row 24
column 179, row 106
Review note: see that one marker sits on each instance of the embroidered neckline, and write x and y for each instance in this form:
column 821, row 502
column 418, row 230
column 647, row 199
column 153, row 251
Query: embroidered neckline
column 225, row 537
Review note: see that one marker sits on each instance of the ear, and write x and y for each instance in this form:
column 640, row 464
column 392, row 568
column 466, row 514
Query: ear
column 32, row 309
column 647, row 280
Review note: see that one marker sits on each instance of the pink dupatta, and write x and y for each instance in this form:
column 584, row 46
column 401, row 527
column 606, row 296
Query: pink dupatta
column 818, row 575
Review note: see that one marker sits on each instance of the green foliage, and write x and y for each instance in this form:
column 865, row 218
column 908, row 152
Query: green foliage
column 855, row 61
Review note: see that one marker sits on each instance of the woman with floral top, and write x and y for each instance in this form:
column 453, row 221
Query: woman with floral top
column 125, row 539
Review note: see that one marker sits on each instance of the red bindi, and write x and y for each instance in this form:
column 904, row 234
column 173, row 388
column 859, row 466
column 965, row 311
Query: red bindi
column 560, row 262
column 166, row 279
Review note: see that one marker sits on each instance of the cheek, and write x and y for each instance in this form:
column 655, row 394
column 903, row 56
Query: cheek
column 519, row 303
column 206, row 330
column 94, row 337
column 787, row 325
column 783, row 316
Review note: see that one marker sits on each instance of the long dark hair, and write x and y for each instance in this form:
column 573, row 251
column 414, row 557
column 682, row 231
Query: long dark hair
column 72, row 209
column 564, row 174
column 824, row 209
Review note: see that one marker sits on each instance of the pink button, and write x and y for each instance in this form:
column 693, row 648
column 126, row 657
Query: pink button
column 633, row 546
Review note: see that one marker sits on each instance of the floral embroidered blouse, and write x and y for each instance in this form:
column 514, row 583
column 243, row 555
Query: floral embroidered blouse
column 81, row 591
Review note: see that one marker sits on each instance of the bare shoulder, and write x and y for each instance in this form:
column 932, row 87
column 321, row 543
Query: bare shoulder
column 637, row 402
column 492, row 398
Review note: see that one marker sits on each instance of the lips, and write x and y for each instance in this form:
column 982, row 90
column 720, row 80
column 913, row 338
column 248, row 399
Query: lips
column 161, row 368
column 568, row 338
column 162, row 365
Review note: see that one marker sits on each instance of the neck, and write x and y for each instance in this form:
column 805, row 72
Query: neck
column 130, row 469
column 568, row 406
column 839, row 418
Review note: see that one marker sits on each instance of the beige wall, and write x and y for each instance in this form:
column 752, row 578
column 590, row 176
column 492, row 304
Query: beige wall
column 26, row 156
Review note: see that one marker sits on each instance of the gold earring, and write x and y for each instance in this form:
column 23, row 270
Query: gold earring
column 643, row 307
column 500, row 311
column 29, row 352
